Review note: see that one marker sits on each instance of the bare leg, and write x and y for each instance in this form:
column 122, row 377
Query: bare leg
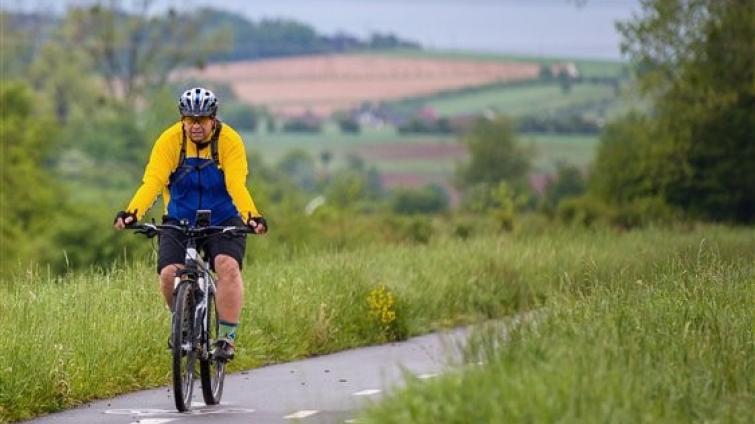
column 230, row 289
column 167, row 277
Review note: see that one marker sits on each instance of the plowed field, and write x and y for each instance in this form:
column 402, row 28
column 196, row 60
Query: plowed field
column 323, row 84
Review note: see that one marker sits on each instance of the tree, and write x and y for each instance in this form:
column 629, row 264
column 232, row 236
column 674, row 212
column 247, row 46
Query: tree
column 568, row 182
column 495, row 155
column 20, row 35
column 696, row 61
column 29, row 195
column 133, row 51
column 65, row 75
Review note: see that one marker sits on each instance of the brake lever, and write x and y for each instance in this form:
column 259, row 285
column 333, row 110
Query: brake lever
column 148, row 230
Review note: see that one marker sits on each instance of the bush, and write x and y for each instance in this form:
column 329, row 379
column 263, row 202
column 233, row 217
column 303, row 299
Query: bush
column 585, row 210
column 349, row 125
column 416, row 229
column 427, row 126
column 302, row 125
column 568, row 182
column 429, row 199
column 640, row 212
column 644, row 211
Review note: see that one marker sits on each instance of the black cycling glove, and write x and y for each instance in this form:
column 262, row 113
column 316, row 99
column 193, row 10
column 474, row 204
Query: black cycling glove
column 123, row 215
column 253, row 222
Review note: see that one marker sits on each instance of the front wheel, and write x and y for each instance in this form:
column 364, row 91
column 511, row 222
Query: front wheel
column 184, row 352
column 211, row 370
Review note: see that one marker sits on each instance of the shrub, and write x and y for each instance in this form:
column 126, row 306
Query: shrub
column 585, row 210
column 429, row 199
column 349, row 125
column 302, row 125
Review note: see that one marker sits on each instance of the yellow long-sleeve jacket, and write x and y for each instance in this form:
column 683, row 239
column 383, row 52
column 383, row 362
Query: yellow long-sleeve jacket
column 197, row 183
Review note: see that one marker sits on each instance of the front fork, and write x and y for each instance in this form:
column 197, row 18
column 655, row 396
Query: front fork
column 199, row 328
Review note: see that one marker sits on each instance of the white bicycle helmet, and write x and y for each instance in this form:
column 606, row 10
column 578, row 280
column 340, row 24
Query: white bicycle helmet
column 198, row 101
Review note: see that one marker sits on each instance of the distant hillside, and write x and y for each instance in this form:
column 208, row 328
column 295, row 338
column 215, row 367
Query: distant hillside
column 251, row 40
column 326, row 83
column 270, row 38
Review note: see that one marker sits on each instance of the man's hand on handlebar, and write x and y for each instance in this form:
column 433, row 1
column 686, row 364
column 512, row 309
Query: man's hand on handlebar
column 258, row 224
column 124, row 219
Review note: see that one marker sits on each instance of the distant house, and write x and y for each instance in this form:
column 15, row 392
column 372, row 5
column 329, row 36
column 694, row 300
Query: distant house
column 375, row 115
column 568, row 69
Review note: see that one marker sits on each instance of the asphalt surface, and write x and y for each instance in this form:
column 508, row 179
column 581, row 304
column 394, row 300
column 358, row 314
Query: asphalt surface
column 325, row 389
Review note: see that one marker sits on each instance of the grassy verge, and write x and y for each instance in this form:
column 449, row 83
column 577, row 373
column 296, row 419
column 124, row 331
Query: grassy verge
column 670, row 340
column 99, row 333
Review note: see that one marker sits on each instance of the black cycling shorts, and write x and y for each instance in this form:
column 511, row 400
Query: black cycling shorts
column 173, row 245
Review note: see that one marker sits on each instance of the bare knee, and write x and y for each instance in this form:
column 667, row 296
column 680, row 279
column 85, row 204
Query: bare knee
column 168, row 274
column 227, row 268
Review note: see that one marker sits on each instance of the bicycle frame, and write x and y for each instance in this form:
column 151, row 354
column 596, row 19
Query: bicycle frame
column 204, row 284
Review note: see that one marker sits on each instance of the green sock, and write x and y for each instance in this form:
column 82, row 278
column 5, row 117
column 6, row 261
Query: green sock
column 227, row 330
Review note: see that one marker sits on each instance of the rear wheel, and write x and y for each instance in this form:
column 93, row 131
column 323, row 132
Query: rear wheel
column 211, row 370
column 184, row 353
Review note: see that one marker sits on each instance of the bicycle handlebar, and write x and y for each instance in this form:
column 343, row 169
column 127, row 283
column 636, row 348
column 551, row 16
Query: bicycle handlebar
column 151, row 230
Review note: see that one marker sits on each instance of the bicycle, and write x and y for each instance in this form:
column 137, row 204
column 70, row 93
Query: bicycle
column 194, row 325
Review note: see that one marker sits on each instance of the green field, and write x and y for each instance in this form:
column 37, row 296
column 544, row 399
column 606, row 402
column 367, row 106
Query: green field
column 521, row 100
column 549, row 149
column 654, row 298
column 577, row 150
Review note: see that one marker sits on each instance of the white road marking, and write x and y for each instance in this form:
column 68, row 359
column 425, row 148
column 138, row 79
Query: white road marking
column 139, row 411
column 367, row 392
column 197, row 404
column 426, row 376
column 200, row 411
column 154, row 421
column 301, row 414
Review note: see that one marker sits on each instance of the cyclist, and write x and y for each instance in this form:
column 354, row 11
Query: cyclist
column 207, row 172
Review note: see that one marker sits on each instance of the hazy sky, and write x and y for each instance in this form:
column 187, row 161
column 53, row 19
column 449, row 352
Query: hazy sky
column 535, row 27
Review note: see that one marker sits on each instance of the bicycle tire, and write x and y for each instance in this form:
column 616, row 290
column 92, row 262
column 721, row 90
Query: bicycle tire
column 184, row 354
column 211, row 370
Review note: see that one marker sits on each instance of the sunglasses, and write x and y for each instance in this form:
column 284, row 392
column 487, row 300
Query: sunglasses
column 191, row 120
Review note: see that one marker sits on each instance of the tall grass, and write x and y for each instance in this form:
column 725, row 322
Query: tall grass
column 94, row 334
column 668, row 339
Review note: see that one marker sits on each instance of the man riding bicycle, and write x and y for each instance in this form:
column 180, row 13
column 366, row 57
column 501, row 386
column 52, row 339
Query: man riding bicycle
column 209, row 172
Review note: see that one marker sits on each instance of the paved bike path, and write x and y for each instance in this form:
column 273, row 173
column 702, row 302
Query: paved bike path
column 325, row 389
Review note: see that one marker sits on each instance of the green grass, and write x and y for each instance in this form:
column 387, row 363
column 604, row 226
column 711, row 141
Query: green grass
column 521, row 100
column 668, row 339
column 95, row 334
column 577, row 150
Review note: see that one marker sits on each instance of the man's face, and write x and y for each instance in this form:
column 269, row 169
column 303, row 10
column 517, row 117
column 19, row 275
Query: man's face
column 199, row 128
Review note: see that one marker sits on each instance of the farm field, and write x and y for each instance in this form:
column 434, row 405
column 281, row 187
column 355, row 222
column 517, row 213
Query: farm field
column 326, row 83
column 413, row 160
column 527, row 99
column 586, row 67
